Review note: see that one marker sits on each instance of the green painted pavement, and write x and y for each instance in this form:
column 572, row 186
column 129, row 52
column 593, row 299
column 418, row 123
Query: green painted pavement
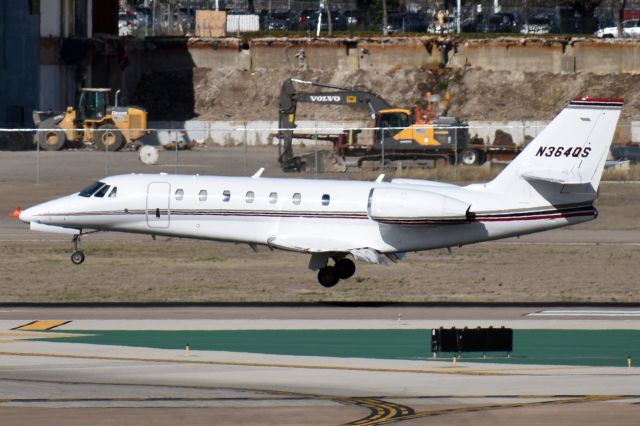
column 557, row 347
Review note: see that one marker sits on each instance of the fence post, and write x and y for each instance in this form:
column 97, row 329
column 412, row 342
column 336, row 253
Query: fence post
column 106, row 158
column 455, row 153
column 382, row 152
column 173, row 136
column 246, row 148
column 37, row 160
column 315, row 147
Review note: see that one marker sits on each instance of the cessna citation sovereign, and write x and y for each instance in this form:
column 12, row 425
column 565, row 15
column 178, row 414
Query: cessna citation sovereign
column 551, row 184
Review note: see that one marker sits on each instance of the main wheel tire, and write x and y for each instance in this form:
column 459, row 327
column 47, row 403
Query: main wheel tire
column 328, row 276
column 108, row 137
column 345, row 268
column 470, row 157
column 77, row 257
column 51, row 138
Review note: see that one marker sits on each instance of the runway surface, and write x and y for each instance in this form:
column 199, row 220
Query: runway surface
column 59, row 382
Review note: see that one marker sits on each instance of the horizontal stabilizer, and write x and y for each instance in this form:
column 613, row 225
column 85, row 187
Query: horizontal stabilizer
column 560, row 176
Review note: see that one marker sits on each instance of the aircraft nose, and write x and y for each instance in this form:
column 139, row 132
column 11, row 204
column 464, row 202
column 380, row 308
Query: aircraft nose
column 26, row 215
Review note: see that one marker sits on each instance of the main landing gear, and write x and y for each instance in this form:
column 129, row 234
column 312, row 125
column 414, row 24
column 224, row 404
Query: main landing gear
column 77, row 257
column 342, row 269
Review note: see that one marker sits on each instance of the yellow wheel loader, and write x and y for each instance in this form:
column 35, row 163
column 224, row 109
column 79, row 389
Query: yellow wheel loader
column 108, row 128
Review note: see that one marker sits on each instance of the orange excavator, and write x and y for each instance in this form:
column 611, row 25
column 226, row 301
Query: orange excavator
column 423, row 132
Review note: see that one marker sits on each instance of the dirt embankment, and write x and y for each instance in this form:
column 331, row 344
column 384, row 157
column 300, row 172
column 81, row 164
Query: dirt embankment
column 212, row 94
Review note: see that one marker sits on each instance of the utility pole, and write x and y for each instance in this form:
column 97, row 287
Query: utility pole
column 385, row 31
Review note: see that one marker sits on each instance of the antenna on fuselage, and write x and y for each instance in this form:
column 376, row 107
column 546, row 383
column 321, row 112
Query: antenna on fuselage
column 257, row 174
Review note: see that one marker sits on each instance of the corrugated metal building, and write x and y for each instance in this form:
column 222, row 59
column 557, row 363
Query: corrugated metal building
column 50, row 49
column 19, row 40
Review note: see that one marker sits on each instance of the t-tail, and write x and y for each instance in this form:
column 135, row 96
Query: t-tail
column 564, row 163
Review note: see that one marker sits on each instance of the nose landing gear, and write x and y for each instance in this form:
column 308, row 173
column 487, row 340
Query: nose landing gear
column 330, row 275
column 77, row 257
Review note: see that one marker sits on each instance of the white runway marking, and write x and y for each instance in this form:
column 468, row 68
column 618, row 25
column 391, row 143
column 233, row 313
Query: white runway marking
column 586, row 313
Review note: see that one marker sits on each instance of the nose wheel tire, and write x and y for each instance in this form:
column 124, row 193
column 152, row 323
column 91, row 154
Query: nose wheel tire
column 328, row 276
column 345, row 268
column 77, row 257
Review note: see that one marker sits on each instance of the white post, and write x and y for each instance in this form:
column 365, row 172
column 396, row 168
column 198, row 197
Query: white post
column 458, row 17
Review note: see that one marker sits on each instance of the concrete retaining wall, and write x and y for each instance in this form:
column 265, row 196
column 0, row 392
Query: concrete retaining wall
column 384, row 54
column 607, row 57
column 233, row 133
column 258, row 132
column 513, row 55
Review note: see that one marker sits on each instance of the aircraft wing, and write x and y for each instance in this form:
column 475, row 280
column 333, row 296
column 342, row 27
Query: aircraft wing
column 309, row 244
column 326, row 245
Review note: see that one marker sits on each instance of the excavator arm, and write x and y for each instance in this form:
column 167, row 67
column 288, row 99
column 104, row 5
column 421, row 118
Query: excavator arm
column 289, row 98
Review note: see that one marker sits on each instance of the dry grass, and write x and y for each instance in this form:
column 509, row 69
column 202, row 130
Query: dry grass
column 445, row 174
column 483, row 173
column 194, row 271
column 630, row 173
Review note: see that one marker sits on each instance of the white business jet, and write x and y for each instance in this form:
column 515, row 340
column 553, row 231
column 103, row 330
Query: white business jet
column 551, row 184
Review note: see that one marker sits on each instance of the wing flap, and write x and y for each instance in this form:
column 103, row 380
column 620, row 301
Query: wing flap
column 308, row 244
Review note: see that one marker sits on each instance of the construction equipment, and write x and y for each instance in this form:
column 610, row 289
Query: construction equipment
column 109, row 128
column 421, row 133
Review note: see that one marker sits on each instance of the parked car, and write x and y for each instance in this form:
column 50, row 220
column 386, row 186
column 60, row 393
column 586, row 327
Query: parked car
column 469, row 25
column 401, row 22
column 238, row 11
column 448, row 26
column 187, row 19
column 502, row 22
column 630, row 28
column 337, row 20
column 280, row 19
column 304, row 16
column 536, row 25
column 125, row 23
column 143, row 18
column 353, row 18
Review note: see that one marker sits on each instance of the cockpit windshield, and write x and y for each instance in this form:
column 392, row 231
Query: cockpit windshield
column 102, row 191
column 91, row 189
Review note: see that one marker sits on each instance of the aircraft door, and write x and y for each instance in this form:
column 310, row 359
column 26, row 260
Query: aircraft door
column 158, row 211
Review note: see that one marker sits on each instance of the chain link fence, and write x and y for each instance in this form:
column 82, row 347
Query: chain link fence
column 176, row 18
column 318, row 150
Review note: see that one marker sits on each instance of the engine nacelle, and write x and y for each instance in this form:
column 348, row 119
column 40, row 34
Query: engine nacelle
column 415, row 207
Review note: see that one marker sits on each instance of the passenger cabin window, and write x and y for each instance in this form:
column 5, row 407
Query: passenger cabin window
column 297, row 198
column 91, row 189
column 179, row 194
column 202, row 196
column 326, row 199
column 114, row 192
column 226, row 195
column 273, row 198
column 250, row 197
column 102, row 191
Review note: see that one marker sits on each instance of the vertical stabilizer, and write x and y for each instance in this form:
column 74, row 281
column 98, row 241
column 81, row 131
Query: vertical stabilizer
column 567, row 157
